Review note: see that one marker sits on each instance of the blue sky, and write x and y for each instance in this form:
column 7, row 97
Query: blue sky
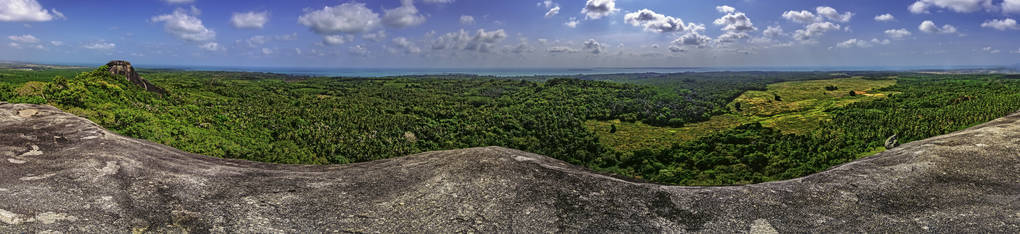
column 513, row 33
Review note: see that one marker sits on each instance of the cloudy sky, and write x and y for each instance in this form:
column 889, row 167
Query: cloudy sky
column 513, row 33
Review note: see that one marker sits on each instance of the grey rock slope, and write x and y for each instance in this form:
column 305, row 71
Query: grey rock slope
column 59, row 172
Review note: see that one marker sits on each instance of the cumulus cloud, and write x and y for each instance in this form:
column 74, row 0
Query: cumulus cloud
column 885, row 18
column 655, row 22
column 185, row 26
column 27, row 39
column 854, row 42
column 773, row 31
column 406, row 45
column 596, row 9
column 736, row 22
column 898, row 33
column 804, row 17
column 1011, row 6
column 26, row 11
column 692, row 39
column 594, row 47
column 1000, row 24
column 336, row 39
column 349, row 17
column 467, row 20
column 929, row 27
column 560, row 50
column 56, row 43
column 249, row 20
column 815, row 30
column 990, row 50
column 358, row 50
column 179, row 1
column 211, row 46
column 481, row 41
column 376, row 36
column 552, row 12
column 438, row 1
column 962, row 6
column 572, row 23
column 404, row 16
column 725, row 9
column 834, row 15
column 100, row 45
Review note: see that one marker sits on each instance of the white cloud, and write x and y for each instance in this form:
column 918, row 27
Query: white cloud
column 1011, row 6
column 358, row 50
column 345, row 18
column 405, row 44
column 898, row 33
column 467, row 20
column 814, row 30
column 594, row 46
column 929, row 27
column 404, row 16
column 1001, row 25
column 595, row 9
column 250, row 20
column 854, row 42
column 100, row 46
column 804, row 17
column 482, row 41
column 725, row 9
column 56, row 43
column 27, row 39
column 773, row 31
column 185, row 26
column 376, row 36
column 179, row 1
column 560, row 50
column 655, row 22
column 336, row 39
column 572, row 23
column 990, row 50
column 1017, row 51
column 833, row 14
column 885, row 18
column 438, row 1
column 267, row 51
column 962, row 6
column 692, row 39
column 552, row 11
column 26, row 11
column 211, row 46
column 737, row 22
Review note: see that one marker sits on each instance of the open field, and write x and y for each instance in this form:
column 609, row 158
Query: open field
column 796, row 107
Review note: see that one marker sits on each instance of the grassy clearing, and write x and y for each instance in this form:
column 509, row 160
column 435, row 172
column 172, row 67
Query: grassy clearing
column 799, row 109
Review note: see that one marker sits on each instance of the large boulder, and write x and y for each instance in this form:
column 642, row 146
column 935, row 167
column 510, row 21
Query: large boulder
column 124, row 68
column 59, row 172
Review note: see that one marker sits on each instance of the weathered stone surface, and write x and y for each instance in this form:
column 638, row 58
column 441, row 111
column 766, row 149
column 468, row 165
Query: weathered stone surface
column 76, row 177
column 124, row 68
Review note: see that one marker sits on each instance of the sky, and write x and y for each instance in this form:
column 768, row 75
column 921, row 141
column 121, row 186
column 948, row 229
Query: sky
column 512, row 33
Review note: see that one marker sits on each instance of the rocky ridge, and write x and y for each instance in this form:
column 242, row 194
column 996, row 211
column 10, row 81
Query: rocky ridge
column 59, row 172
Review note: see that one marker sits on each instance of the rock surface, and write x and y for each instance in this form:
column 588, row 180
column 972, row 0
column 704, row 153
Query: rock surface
column 124, row 68
column 59, row 172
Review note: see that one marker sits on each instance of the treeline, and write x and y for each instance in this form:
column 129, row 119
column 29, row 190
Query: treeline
column 926, row 106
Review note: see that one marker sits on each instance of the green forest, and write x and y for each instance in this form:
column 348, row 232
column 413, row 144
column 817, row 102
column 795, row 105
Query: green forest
column 318, row 120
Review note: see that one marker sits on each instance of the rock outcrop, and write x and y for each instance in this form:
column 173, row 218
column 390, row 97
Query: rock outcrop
column 124, row 68
column 59, row 172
